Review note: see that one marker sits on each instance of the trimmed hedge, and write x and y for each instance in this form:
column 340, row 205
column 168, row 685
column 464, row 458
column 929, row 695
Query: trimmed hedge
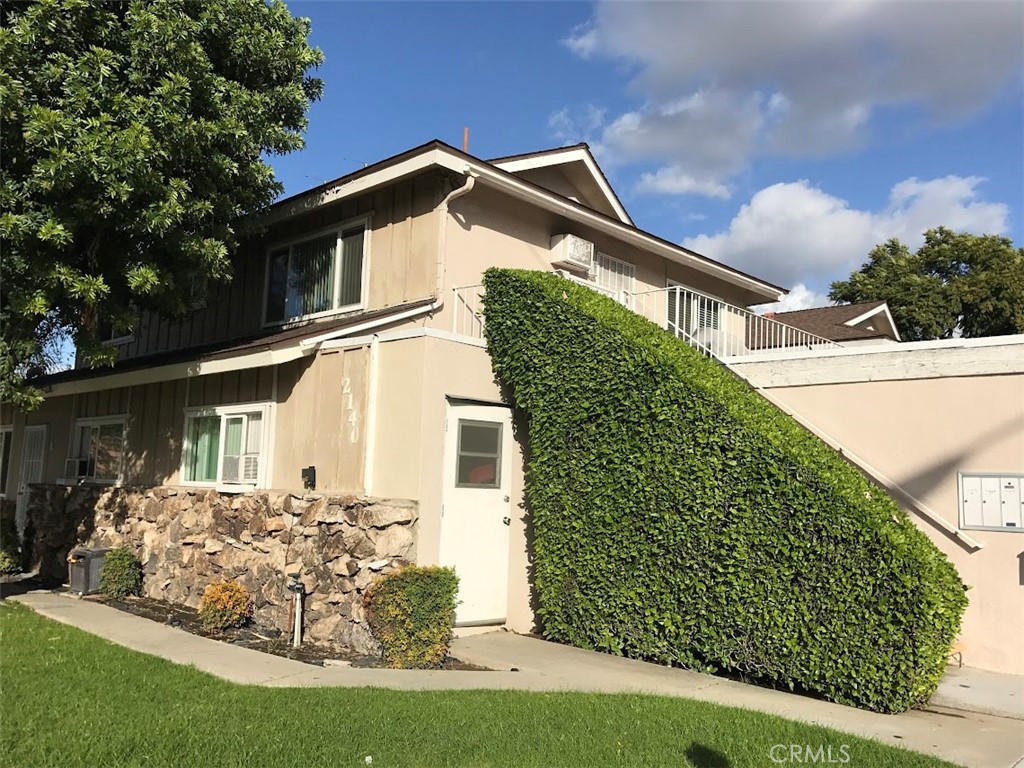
column 679, row 517
column 121, row 575
column 411, row 614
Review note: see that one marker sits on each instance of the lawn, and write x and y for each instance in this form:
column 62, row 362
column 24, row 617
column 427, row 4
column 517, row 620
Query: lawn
column 70, row 699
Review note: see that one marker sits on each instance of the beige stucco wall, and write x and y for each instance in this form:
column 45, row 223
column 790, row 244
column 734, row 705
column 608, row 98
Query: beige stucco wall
column 417, row 378
column 921, row 433
column 486, row 228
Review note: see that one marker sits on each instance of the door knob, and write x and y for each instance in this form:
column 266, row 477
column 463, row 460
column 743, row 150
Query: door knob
column 506, row 520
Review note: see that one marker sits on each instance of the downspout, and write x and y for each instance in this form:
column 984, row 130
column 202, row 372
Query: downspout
column 370, row 440
column 442, row 231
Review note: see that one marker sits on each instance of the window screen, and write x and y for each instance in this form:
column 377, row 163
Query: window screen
column 479, row 455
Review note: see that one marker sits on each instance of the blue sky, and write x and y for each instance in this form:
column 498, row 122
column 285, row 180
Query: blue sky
column 783, row 138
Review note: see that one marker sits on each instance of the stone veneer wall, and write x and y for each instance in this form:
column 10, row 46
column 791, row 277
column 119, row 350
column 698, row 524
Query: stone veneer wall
column 187, row 538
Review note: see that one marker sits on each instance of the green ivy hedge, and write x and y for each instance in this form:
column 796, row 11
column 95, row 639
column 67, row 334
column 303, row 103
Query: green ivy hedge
column 681, row 518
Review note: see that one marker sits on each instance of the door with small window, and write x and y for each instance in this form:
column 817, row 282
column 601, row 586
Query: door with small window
column 476, row 511
column 33, row 462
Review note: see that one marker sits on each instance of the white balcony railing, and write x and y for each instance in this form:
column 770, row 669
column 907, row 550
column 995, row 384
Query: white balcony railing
column 716, row 328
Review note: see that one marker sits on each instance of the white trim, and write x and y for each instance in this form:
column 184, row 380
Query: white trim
column 120, row 340
column 409, row 333
column 337, row 228
column 266, row 410
column 884, row 309
column 499, row 179
column 564, row 157
column 96, row 421
column 370, row 438
column 375, row 323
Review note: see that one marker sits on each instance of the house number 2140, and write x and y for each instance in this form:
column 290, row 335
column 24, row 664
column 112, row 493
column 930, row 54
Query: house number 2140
column 348, row 402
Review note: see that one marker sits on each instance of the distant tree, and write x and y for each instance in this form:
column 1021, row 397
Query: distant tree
column 955, row 281
column 133, row 143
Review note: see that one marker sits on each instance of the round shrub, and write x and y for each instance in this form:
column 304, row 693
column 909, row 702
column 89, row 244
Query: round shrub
column 121, row 575
column 9, row 563
column 679, row 517
column 224, row 605
column 411, row 613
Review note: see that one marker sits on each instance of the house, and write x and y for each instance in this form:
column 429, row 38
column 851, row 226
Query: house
column 331, row 412
column 849, row 324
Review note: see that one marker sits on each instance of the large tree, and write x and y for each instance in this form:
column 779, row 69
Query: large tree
column 134, row 137
column 955, row 282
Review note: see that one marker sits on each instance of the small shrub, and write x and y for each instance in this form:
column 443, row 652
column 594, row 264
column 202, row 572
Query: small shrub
column 9, row 563
column 225, row 605
column 122, row 574
column 411, row 613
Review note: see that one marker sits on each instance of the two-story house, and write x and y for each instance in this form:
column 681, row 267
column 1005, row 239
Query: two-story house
column 346, row 355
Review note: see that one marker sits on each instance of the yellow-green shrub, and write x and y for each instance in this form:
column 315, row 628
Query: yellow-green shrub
column 410, row 613
column 679, row 517
column 224, row 605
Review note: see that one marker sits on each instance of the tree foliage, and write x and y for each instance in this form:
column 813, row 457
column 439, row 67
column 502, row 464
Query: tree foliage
column 955, row 281
column 679, row 517
column 133, row 144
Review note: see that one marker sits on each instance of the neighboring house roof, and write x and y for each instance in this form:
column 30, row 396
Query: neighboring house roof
column 438, row 154
column 580, row 168
column 845, row 322
column 271, row 348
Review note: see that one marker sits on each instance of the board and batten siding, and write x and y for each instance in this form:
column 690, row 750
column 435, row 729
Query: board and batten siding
column 402, row 262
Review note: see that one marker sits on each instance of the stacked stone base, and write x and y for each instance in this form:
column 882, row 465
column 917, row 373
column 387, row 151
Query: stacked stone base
column 188, row 538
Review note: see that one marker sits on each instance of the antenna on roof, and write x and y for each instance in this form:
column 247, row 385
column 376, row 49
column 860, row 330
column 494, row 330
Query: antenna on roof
column 465, row 140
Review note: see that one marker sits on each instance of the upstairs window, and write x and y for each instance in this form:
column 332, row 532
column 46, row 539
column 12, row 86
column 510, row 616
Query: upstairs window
column 97, row 450
column 616, row 277
column 317, row 275
column 226, row 447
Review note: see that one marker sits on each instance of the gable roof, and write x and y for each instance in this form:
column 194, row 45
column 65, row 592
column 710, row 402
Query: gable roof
column 574, row 156
column 839, row 323
column 437, row 154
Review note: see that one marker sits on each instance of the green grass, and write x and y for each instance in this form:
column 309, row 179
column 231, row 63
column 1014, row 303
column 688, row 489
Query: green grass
column 70, row 699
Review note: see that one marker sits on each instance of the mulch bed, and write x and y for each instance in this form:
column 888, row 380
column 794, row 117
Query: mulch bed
column 263, row 639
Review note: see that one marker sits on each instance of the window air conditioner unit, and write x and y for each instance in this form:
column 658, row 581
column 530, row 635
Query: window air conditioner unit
column 573, row 253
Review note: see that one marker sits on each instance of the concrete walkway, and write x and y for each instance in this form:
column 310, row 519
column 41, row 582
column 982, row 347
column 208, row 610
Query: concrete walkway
column 969, row 739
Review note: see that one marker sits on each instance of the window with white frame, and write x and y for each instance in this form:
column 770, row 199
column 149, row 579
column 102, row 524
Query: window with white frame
column 226, row 445
column 6, row 438
column 317, row 275
column 97, row 449
column 615, row 276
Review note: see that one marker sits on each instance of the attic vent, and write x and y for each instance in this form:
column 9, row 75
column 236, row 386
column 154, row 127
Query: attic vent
column 572, row 252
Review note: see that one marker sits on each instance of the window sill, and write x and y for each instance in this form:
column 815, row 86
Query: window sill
column 87, row 481
column 294, row 322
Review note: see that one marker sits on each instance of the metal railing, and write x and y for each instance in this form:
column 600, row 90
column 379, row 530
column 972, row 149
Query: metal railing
column 468, row 314
column 716, row 328
column 719, row 329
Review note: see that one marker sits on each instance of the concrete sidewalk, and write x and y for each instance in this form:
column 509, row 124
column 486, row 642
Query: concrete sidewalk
column 969, row 739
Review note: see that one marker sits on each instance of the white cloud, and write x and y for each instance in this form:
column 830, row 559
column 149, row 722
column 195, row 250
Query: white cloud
column 799, row 297
column 796, row 233
column 576, row 124
column 722, row 82
column 672, row 180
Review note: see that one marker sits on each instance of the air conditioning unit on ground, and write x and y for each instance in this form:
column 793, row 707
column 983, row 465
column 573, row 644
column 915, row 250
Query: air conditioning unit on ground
column 572, row 252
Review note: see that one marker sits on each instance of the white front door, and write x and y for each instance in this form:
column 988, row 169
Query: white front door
column 476, row 510
column 33, row 459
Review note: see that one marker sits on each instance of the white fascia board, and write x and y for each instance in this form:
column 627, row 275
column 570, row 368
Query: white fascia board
column 369, row 324
column 511, row 185
column 355, row 186
column 266, row 357
column 623, row 232
column 882, row 309
column 569, row 155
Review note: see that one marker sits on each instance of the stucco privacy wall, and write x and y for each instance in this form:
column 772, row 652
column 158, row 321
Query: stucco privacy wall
column 188, row 538
column 920, row 432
